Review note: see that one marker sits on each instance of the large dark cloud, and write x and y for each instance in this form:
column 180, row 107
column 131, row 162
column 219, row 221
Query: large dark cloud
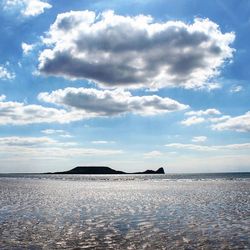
column 115, row 50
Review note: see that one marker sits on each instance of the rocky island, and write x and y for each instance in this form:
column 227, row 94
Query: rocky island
column 104, row 170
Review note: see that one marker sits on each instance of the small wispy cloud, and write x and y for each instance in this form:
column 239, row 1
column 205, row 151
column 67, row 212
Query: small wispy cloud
column 102, row 142
column 5, row 74
column 26, row 141
column 27, row 48
column 60, row 132
column 153, row 154
column 52, row 131
column 66, row 136
column 199, row 139
column 2, row 98
column 195, row 147
column 219, row 119
column 236, row 88
column 192, row 120
column 204, row 112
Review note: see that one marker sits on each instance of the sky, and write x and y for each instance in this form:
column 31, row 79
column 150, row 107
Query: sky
column 132, row 85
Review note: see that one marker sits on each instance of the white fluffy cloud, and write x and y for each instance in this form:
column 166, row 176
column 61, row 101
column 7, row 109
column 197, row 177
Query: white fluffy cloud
column 238, row 123
column 5, row 74
column 78, row 104
column 110, row 102
column 17, row 113
column 199, row 139
column 114, row 50
column 27, row 7
column 192, row 120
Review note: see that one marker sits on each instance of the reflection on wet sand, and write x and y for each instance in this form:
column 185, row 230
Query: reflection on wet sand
column 132, row 213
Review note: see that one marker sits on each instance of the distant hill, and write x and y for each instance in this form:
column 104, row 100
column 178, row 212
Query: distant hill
column 104, row 170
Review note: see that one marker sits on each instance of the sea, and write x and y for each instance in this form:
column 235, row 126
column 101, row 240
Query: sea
column 171, row 211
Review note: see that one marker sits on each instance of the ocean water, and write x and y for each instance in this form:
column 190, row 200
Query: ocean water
column 125, row 212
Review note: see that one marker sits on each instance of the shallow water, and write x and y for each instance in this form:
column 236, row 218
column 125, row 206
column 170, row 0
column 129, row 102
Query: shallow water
column 124, row 212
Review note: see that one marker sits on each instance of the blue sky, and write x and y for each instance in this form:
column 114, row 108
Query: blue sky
column 128, row 84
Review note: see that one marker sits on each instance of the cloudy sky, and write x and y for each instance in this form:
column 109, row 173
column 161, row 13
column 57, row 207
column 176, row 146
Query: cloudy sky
column 133, row 85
